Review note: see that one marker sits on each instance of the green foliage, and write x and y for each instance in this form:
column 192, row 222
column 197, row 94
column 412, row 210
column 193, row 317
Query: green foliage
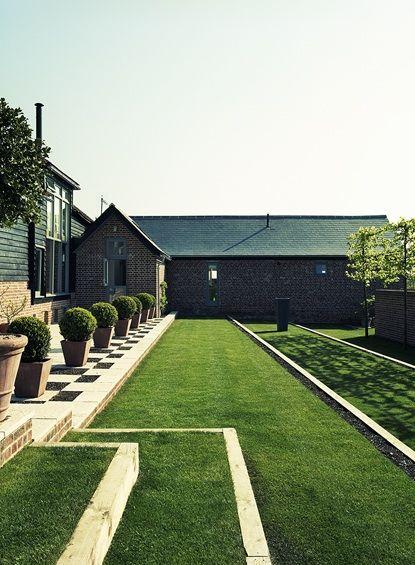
column 38, row 335
column 364, row 255
column 105, row 314
column 147, row 300
column 22, row 168
column 77, row 324
column 163, row 296
column 126, row 307
column 138, row 304
column 398, row 251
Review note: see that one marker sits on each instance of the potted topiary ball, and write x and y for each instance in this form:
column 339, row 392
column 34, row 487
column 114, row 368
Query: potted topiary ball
column 126, row 309
column 147, row 302
column 35, row 365
column 136, row 319
column 11, row 349
column 106, row 316
column 77, row 326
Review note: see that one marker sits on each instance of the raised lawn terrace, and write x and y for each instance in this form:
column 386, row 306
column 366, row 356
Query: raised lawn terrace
column 325, row 494
column 382, row 389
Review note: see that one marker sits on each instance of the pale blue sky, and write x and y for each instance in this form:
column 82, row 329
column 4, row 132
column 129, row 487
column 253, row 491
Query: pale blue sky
column 221, row 106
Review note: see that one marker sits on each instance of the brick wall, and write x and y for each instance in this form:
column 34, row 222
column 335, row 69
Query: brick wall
column 142, row 264
column 47, row 310
column 249, row 287
column 389, row 315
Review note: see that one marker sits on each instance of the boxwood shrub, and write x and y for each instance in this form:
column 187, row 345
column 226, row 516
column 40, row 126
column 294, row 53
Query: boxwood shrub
column 125, row 306
column 77, row 324
column 138, row 304
column 38, row 335
column 105, row 314
column 147, row 300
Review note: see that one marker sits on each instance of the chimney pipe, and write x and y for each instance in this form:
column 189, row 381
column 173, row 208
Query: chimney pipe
column 267, row 220
column 39, row 106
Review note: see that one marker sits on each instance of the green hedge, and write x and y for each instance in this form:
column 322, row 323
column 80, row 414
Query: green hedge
column 137, row 303
column 77, row 324
column 38, row 335
column 105, row 314
column 147, row 300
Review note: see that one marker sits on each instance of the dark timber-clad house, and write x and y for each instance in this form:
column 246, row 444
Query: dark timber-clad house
column 216, row 265
column 39, row 264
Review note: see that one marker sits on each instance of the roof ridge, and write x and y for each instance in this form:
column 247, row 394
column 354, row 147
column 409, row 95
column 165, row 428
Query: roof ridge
column 262, row 216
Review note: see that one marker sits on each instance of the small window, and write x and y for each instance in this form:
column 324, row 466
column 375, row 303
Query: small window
column 321, row 269
column 213, row 283
column 39, row 270
column 105, row 272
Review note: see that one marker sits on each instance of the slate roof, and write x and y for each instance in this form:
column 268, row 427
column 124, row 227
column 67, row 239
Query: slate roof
column 248, row 236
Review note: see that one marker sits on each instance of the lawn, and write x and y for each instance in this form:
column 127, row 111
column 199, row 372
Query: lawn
column 325, row 494
column 182, row 509
column 43, row 493
column 356, row 336
column 382, row 389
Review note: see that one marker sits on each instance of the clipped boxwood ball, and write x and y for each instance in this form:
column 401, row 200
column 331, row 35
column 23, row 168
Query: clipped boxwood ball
column 125, row 306
column 38, row 335
column 77, row 324
column 105, row 314
column 138, row 304
column 146, row 300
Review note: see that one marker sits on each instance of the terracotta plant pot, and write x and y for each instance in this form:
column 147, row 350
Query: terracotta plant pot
column 122, row 327
column 144, row 315
column 32, row 378
column 76, row 352
column 135, row 321
column 4, row 326
column 103, row 336
column 11, row 349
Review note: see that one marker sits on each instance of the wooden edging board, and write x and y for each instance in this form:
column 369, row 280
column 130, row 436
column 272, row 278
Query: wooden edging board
column 378, row 429
column 253, row 535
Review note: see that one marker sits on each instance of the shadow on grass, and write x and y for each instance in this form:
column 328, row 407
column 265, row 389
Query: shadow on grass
column 380, row 388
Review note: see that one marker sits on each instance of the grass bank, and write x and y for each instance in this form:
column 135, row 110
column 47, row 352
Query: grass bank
column 325, row 494
column 382, row 389
column 43, row 494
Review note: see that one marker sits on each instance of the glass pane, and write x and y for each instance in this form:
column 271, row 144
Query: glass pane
column 57, row 219
column 65, row 221
column 120, row 272
column 321, row 269
column 49, row 266
column 39, row 270
column 49, row 218
column 64, row 267
column 213, row 283
column 105, row 272
column 57, row 267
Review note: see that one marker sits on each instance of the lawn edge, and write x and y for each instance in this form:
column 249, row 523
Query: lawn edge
column 93, row 534
column 403, row 456
column 370, row 351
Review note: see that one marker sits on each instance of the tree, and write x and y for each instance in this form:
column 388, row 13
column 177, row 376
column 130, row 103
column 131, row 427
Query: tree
column 22, row 168
column 363, row 266
column 398, row 261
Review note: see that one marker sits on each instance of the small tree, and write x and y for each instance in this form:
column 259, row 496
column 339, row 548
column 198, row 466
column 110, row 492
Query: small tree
column 22, row 168
column 363, row 266
column 398, row 261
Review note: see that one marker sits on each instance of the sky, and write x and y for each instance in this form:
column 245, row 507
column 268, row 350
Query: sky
column 170, row 107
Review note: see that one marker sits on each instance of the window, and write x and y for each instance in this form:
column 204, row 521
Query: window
column 115, row 264
column 105, row 271
column 57, row 234
column 39, row 270
column 321, row 269
column 213, row 284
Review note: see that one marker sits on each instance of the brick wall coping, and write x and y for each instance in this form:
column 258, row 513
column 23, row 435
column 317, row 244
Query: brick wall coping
column 375, row 353
column 366, row 420
column 396, row 290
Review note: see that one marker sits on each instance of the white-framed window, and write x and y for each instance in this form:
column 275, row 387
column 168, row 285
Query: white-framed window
column 321, row 269
column 57, row 239
column 213, row 290
column 105, row 271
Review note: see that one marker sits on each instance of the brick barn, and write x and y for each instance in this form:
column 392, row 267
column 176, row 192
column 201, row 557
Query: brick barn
column 216, row 265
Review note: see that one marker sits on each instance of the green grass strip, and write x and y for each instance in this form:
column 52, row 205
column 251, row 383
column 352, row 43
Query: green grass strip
column 325, row 494
column 382, row 389
column 182, row 509
column 43, row 494
column 356, row 336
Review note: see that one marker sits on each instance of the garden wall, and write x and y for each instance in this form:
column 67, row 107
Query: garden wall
column 389, row 315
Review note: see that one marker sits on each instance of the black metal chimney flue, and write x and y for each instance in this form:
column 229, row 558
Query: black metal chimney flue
column 267, row 220
column 39, row 107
